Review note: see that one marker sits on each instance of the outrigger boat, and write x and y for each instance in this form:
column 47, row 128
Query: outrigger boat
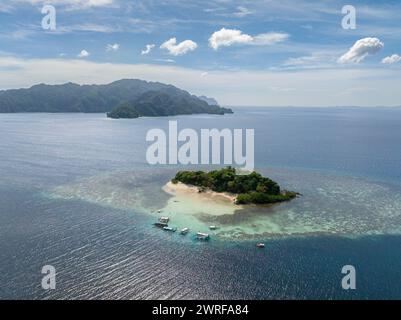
column 202, row 236
column 184, row 231
column 260, row 245
column 161, row 224
column 164, row 219
column 169, row 229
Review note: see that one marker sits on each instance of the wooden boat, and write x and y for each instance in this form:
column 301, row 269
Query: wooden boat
column 169, row 229
column 202, row 236
column 161, row 224
column 164, row 219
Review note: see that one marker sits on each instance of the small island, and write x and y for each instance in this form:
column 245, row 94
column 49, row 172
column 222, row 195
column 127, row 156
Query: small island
column 124, row 111
column 163, row 104
column 252, row 188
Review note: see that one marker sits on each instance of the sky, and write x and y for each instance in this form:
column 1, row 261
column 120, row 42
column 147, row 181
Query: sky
column 241, row 52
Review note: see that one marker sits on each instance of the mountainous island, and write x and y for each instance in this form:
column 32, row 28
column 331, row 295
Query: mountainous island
column 248, row 189
column 129, row 98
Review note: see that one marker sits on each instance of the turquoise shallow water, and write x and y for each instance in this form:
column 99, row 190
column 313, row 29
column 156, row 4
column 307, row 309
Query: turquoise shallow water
column 59, row 206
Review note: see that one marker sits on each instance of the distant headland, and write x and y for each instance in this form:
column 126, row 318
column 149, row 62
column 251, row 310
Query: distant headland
column 252, row 188
column 128, row 98
column 165, row 103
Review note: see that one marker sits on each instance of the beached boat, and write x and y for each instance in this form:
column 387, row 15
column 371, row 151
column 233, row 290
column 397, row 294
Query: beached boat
column 184, row 231
column 170, row 229
column 202, row 236
column 260, row 245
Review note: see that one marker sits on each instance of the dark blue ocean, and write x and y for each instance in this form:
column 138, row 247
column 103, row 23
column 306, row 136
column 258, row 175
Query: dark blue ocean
column 68, row 182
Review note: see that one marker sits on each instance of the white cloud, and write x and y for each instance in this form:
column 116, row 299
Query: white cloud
column 301, row 61
column 178, row 49
column 392, row 59
column 112, row 47
column 149, row 48
column 318, row 59
column 228, row 37
column 361, row 49
column 165, row 60
column 270, row 38
column 4, row 7
column 83, row 54
column 87, row 27
column 339, row 86
column 73, row 4
column 242, row 12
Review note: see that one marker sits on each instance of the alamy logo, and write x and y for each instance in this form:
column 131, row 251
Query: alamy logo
column 349, row 280
column 49, row 280
column 49, row 20
column 166, row 149
column 349, row 20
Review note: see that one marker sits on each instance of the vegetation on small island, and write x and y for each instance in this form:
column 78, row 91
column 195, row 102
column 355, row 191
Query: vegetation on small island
column 251, row 188
column 125, row 111
column 162, row 104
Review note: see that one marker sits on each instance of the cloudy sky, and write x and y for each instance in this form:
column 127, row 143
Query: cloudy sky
column 242, row 52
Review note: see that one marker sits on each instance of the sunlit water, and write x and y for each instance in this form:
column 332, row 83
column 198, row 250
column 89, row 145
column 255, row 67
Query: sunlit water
column 76, row 193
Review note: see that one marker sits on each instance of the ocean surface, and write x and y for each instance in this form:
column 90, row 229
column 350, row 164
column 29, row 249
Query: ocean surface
column 77, row 193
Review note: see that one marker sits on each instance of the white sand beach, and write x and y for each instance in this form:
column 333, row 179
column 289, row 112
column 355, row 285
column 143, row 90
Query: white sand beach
column 188, row 207
column 181, row 189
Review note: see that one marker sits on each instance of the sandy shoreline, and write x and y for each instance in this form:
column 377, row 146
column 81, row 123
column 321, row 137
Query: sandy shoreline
column 181, row 189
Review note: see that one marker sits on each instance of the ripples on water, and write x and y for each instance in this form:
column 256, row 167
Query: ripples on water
column 73, row 195
column 103, row 253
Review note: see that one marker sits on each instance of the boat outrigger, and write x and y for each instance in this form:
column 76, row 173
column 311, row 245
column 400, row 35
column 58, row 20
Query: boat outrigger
column 202, row 236
column 184, row 231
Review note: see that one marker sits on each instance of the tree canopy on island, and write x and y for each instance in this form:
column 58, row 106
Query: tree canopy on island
column 251, row 188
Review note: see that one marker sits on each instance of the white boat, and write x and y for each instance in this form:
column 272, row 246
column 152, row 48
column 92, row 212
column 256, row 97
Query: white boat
column 164, row 219
column 170, row 229
column 202, row 236
column 260, row 245
column 212, row 227
column 184, row 231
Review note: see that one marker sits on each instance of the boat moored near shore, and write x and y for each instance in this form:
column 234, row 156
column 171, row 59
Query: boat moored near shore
column 202, row 236
column 169, row 229
column 161, row 224
column 164, row 219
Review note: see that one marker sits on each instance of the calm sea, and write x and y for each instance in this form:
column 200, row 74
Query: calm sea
column 345, row 161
